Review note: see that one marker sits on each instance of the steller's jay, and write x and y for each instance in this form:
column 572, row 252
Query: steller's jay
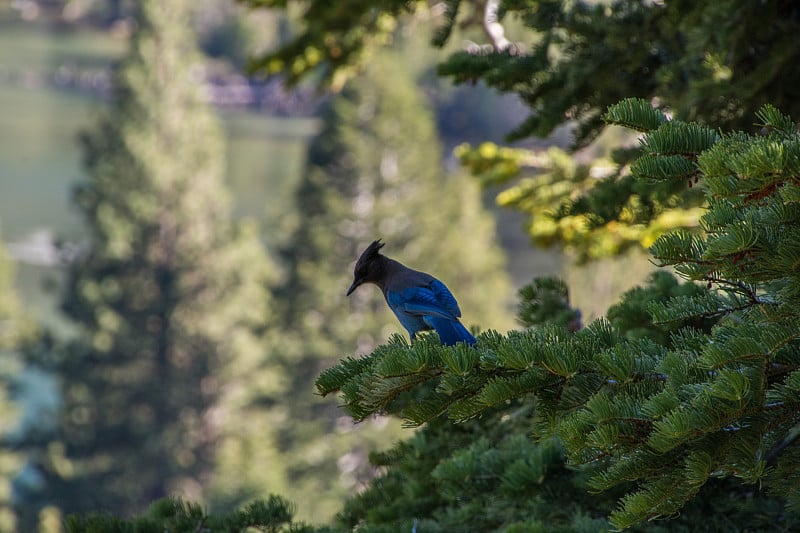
column 420, row 301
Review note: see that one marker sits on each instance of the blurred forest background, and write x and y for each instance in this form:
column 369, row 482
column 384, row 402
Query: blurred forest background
column 162, row 333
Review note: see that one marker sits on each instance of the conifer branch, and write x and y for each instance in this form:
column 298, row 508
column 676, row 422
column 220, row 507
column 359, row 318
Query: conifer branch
column 681, row 383
column 739, row 286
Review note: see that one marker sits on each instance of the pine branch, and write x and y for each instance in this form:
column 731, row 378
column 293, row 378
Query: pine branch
column 273, row 515
column 684, row 382
column 636, row 114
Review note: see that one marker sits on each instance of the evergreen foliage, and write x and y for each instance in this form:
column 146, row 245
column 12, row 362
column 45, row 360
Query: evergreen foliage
column 482, row 475
column 546, row 300
column 273, row 515
column 632, row 314
column 662, row 415
column 486, row 474
column 338, row 40
column 711, row 62
column 607, row 206
column 574, row 59
column 170, row 301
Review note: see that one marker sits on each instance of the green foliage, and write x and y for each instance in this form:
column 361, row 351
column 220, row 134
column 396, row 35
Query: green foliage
column 711, row 63
column 485, row 474
column 635, row 114
column 273, row 515
column 575, row 59
column 605, row 207
column 637, row 313
column 703, row 390
column 334, row 40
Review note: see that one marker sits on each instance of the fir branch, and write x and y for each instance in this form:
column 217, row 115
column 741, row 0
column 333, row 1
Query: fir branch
column 679, row 138
column 739, row 287
column 636, row 114
column 773, row 455
column 773, row 120
column 664, row 168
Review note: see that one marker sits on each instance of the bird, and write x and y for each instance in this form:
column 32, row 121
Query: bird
column 420, row 301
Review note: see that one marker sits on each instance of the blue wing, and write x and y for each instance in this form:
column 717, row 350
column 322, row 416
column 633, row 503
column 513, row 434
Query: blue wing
column 431, row 306
column 432, row 299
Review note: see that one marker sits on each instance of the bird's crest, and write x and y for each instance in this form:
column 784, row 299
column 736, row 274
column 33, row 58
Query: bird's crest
column 370, row 253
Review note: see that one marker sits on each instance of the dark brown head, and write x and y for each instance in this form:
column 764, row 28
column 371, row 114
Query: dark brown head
column 370, row 267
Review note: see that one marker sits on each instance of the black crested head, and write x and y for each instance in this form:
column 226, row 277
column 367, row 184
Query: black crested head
column 372, row 251
column 369, row 268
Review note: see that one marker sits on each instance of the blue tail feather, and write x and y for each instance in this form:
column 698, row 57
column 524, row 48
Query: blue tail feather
column 450, row 331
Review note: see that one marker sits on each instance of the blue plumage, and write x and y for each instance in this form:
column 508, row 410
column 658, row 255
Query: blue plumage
column 420, row 301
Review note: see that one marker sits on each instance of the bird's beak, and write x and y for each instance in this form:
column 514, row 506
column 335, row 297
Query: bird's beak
column 353, row 287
